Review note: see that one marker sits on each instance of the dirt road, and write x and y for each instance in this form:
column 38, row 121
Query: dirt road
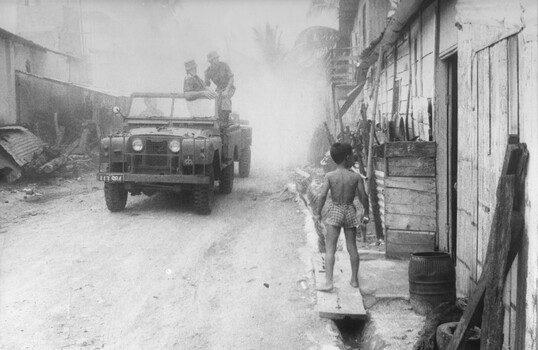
column 156, row 276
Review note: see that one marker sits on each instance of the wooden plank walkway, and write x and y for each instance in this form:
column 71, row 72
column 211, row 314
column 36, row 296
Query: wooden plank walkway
column 344, row 300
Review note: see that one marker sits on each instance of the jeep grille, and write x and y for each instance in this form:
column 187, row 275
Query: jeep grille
column 156, row 152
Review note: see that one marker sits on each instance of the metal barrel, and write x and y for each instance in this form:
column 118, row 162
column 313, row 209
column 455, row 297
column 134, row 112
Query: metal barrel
column 432, row 280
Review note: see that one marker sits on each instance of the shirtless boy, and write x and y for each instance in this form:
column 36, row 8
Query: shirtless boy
column 344, row 184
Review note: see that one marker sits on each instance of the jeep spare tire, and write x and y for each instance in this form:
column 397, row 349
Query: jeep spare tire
column 244, row 162
column 115, row 196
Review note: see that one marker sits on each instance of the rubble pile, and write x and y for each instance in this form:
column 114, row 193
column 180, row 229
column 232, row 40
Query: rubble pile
column 308, row 183
column 23, row 154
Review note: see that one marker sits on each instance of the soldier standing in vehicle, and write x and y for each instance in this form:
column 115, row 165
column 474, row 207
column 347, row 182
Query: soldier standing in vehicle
column 221, row 75
column 193, row 86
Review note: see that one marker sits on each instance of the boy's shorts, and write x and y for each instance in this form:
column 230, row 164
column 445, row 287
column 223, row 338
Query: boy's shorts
column 342, row 215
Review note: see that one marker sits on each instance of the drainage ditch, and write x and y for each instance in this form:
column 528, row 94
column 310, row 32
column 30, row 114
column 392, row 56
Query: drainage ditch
column 390, row 322
column 351, row 331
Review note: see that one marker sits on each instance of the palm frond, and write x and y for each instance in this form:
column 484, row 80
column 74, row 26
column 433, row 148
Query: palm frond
column 269, row 42
column 320, row 6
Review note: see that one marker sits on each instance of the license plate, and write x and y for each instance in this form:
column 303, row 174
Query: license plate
column 110, row 177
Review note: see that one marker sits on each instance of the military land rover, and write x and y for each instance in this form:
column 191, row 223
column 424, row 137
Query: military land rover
column 171, row 144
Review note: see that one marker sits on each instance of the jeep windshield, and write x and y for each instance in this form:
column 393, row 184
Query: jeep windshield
column 170, row 107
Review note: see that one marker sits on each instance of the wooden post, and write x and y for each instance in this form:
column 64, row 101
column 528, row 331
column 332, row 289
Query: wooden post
column 493, row 316
column 61, row 160
column 372, row 189
column 60, row 131
column 409, row 88
column 83, row 147
column 330, row 136
column 372, row 124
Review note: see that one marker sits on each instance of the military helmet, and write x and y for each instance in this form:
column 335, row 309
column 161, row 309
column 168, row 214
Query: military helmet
column 190, row 65
column 211, row 55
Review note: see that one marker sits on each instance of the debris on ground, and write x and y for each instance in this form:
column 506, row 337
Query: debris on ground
column 442, row 313
column 23, row 154
column 18, row 146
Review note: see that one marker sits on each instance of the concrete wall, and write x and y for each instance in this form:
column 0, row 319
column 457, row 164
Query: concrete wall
column 8, row 112
column 40, row 98
column 16, row 54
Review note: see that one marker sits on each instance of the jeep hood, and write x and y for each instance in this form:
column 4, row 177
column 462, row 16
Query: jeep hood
column 171, row 131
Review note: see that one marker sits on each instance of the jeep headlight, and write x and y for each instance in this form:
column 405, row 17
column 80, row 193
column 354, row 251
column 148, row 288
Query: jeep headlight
column 174, row 146
column 137, row 145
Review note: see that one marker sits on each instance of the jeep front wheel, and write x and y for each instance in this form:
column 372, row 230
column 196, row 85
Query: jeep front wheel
column 244, row 163
column 115, row 196
column 226, row 182
column 204, row 196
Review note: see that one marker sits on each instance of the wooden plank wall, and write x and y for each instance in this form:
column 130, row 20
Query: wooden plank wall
column 497, row 97
column 449, row 37
column 395, row 71
column 467, row 226
column 489, row 112
column 407, row 199
column 376, row 15
column 528, row 124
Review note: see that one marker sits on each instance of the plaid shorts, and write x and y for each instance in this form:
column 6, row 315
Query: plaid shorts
column 342, row 215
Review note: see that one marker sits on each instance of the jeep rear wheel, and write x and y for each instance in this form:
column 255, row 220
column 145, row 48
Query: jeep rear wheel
column 226, row 182
column 244, row 162
column 204, row 195
column 115, row 196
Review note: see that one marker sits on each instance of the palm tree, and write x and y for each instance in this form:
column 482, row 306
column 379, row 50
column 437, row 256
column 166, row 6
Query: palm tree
column 157, row 11
column 319, row 6
column 268, row 39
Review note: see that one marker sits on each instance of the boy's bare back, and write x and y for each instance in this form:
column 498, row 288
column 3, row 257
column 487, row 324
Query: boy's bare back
column 343, row 185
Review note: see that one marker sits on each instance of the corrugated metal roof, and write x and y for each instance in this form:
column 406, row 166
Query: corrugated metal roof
column 81, row 86
column 16, row 38
column 20, row 143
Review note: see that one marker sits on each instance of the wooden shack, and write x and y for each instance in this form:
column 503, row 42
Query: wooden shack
column 473, row 64
column 405, row 176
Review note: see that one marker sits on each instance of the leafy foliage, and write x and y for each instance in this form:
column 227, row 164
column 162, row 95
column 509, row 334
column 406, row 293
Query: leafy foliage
column 319, row 6
column 268, row 40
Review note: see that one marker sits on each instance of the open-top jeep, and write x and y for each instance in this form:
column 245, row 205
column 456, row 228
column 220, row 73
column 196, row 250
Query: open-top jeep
column 171, row 144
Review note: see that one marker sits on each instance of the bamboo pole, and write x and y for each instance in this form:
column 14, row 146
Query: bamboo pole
column 372, row 123
column 407, row 137
column 372, row 189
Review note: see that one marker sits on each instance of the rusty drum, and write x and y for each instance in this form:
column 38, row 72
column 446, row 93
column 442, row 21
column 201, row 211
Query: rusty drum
column 432, row 280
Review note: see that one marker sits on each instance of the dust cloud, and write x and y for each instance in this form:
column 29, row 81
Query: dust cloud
column 141, row 45
column 282, row 100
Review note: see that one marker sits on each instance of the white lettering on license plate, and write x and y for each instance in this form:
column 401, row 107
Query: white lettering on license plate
column 111, row 178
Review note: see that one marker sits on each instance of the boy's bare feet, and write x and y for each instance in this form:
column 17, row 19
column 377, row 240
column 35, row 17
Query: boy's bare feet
column 354, row 283
column 325, row 287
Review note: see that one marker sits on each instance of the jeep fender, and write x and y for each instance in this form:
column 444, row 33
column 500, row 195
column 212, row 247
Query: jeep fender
column 198, row 145
column 113, row 148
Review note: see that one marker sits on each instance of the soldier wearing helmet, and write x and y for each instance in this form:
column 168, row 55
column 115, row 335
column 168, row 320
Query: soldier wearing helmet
column 221, row 75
